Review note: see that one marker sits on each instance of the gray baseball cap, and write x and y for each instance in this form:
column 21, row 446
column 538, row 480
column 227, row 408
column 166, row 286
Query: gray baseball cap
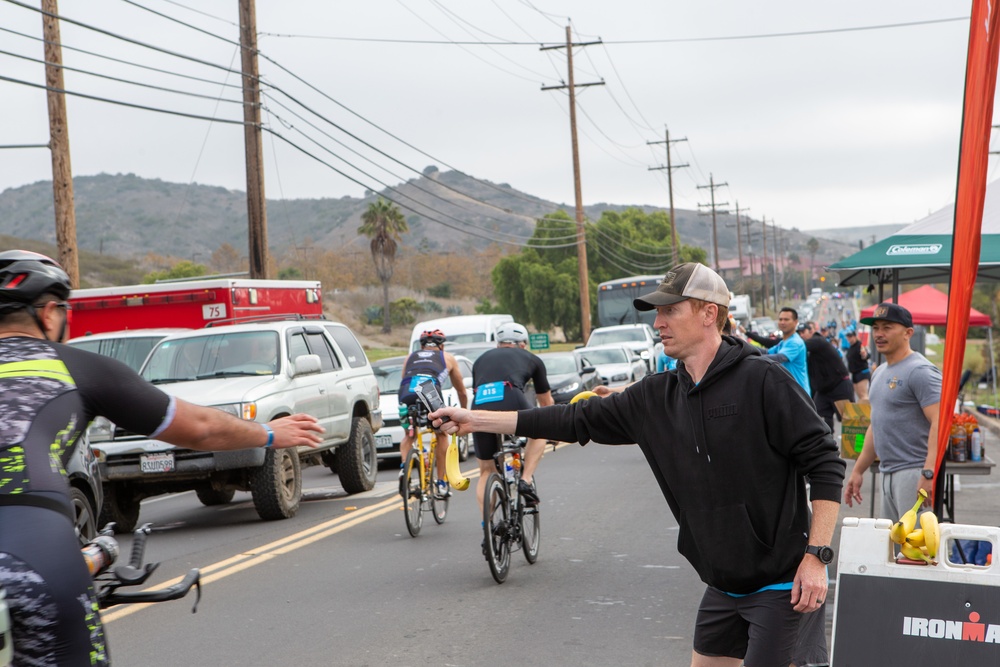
column 686, row 281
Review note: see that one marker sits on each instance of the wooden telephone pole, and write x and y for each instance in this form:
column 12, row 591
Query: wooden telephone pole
column 581, row 244
column 62, row 170
column 712, row 185
column 739, row 240
column 256, row 204
column 675, row 241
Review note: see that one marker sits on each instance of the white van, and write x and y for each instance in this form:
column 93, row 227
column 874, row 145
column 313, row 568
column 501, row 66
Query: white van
column 461, row 328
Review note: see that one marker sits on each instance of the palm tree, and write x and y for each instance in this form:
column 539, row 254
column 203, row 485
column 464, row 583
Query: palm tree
column 812, row 245
column 383, row 222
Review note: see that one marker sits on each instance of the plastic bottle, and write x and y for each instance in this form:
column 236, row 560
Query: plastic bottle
column 100, row 553
column 508, row 468
column 957, row 444
column 976, row 446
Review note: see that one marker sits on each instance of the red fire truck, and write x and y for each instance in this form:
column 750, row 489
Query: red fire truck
column 190, row 304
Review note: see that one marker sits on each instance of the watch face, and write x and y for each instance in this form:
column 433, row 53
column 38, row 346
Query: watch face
column 928, row 474
column 825, row 555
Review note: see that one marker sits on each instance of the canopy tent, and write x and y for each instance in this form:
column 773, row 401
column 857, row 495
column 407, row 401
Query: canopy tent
column 921, row 252
column 929, row 306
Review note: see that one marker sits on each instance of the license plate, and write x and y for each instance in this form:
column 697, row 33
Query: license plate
column 156, row 462
column 383, row 442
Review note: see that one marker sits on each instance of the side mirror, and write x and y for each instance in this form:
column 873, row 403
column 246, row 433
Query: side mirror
column 586, row 370
column 306, row 365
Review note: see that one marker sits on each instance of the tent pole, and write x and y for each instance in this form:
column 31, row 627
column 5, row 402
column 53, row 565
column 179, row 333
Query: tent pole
column 993, row 365
column 895, row 285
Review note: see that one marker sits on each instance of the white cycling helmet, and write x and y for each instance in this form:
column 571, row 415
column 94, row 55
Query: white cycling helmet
column 511, row 332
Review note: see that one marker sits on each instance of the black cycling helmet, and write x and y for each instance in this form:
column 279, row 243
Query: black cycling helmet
column 26, row 276
column 435, row 337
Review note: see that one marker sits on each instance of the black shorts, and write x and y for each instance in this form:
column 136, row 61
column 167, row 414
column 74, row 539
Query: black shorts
column 760, row 628
column 411, row 400
column 487, row 444
column 861, row 376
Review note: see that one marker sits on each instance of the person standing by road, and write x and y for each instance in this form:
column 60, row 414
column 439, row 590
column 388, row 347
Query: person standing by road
column 790, row 350
column 857, row 365
column 49, row 393
column 499, row 377
column 730, row 437
column 905, row 396
column 828, row 376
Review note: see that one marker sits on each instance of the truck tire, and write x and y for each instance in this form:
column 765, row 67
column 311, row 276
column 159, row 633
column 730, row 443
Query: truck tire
column 121, row 507
column 209, row 496
column 276, row 486
column 357, row 459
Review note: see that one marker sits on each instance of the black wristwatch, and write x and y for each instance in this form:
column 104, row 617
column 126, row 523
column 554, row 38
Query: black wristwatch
column 928, row 474
column 824, row 553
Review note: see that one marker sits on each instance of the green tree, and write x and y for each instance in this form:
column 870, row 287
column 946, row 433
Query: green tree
column 383, row 223
column 182, row 269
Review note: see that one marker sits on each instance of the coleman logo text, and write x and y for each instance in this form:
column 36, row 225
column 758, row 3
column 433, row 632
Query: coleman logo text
column 936, row 628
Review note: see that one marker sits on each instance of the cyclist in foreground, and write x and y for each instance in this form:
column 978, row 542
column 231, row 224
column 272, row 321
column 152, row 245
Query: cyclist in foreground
column 430, row 362
column 730, row 437
column 49, row 392
column 499, row 377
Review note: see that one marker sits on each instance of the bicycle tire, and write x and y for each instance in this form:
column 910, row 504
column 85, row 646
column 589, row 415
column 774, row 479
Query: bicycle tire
column 413, row 499
column 530, row 520
column 439, row 504
column 496, row 528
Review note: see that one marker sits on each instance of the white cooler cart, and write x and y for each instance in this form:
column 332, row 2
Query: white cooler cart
column 887, row 613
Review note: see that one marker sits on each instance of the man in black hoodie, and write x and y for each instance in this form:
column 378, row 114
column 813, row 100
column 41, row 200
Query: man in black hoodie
column 731, row 438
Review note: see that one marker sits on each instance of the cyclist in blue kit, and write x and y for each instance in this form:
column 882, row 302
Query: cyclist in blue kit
column 49, row 393
column 499, row 377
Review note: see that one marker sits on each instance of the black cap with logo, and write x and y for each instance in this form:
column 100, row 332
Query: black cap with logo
column 890, row 312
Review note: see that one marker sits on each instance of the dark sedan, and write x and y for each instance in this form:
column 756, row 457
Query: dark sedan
column 568, row 376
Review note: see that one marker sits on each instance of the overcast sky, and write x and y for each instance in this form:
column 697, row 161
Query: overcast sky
column 835, row 128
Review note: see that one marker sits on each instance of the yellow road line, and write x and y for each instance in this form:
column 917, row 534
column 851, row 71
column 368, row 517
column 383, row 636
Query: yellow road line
column 286, row 545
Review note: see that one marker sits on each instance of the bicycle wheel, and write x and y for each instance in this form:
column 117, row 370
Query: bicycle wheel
column 531, row 531
column 439, row 504
column 414, row 494
column 496, row 528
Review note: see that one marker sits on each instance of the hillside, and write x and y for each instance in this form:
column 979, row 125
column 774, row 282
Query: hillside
column 127, row 216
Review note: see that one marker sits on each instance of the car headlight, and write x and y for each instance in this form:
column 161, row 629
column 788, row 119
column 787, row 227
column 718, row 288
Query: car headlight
column 621, row 377
column 644, row 354
column 247, row 411
column 571, row 387
column 100, row 430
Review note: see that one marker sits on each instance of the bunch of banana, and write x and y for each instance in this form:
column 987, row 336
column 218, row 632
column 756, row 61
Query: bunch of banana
column 922, row 543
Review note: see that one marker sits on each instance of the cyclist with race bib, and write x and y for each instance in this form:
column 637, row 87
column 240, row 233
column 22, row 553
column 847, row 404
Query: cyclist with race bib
column 432, row 363
column 499, row 377
column 49, row 393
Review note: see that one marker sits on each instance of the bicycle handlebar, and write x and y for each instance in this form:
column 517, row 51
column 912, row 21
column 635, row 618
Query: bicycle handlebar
column 175, row 592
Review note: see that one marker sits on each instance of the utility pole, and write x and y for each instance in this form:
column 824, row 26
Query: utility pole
column 776, row 242
column 763, row 265
column 715, row 234
column 254, row 145
column 62, row 170
column 753, row 273
column 581, row 243
column 670, row 187
column 739, row 240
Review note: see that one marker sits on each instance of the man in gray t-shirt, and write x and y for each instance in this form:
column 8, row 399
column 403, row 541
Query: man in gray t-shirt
column 905, row 393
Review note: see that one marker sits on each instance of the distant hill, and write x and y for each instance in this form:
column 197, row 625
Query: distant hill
column 128, row 216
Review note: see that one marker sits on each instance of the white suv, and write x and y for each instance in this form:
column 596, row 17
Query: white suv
column 640, row 338
column 256, row 371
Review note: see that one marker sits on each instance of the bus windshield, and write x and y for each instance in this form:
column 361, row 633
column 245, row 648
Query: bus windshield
column 614, row 301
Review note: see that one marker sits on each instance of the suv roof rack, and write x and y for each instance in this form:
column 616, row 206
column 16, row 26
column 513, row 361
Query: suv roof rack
column 248, row 319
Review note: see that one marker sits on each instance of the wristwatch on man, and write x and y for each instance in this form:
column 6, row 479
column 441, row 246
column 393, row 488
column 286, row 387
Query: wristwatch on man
column 928, row 474
column 824, row 553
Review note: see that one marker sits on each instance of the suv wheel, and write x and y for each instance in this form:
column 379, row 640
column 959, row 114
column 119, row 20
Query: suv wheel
column 84, row 519
column 209, row 496
column 276, row 486
column 121, row 507
column 357, row 459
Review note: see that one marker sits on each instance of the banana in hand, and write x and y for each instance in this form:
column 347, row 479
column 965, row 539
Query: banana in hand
column 909, row 519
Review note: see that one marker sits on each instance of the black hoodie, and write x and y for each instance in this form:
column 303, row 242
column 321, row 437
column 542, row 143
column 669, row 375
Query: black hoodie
column 730, row 454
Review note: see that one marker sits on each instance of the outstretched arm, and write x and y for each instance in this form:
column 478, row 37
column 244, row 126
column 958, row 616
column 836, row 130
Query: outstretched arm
column 198, row 427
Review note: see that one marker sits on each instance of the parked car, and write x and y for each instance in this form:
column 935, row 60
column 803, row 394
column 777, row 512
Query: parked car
column 764, row 326
column 131, row 347
column 568, row 376
column 641, row 338
column 616, row 363
column 85, row 491
column 388, row 373
column 257, row 371
column 470, row 351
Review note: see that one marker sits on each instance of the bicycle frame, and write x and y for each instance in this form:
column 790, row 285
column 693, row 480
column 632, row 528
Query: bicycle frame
column 421, row 460
column 508, row 523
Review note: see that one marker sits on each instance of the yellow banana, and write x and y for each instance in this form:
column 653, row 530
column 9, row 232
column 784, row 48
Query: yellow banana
column 455, row 477
column 897, row 533
column 916, row 538
column 909, row 519
column 582, row 396
column 932, row 532
column 914, row 553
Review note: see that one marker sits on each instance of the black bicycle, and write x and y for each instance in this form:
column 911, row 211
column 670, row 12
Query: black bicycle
column 509, row 523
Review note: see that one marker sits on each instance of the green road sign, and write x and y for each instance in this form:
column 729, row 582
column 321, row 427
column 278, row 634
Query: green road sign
column 539, row 341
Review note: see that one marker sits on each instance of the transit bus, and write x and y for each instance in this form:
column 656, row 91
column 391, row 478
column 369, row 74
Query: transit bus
column 614, row 300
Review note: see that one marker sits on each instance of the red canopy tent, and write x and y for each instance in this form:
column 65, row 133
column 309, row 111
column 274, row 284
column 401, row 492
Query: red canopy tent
column 929, row 306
